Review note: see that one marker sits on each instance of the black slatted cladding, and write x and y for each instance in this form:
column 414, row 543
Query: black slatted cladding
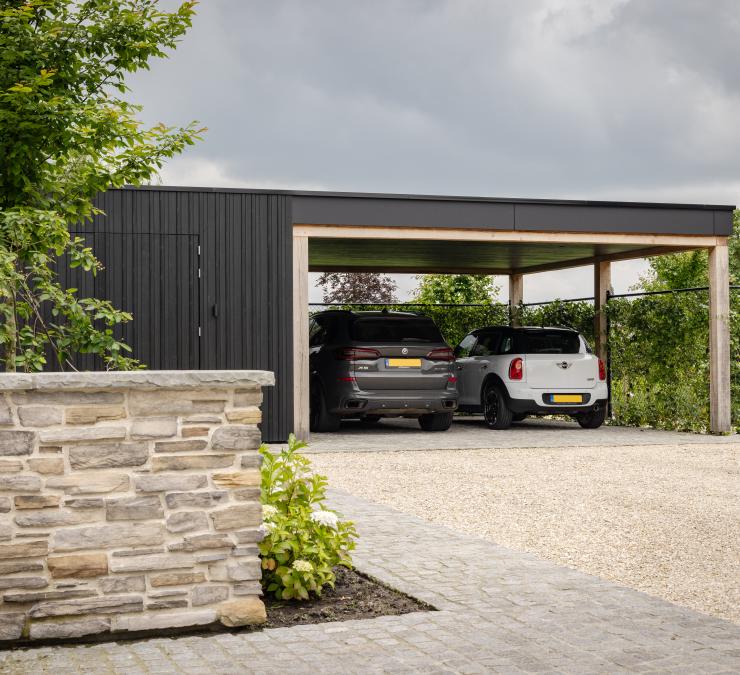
column 155, row 277
column 235, row 314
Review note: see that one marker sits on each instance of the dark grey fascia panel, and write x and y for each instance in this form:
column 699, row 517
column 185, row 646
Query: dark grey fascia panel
column 723, row 223
column 399, row 210
column 614, row 219
column 369, row 211
column 384, row 212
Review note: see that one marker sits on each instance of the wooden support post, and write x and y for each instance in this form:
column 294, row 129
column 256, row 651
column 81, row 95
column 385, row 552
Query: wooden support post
column 516, row 296
column 720, row 420
column 300, row 338
column 602, row 285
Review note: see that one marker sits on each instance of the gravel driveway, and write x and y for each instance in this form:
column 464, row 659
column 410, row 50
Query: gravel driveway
column 663, row 519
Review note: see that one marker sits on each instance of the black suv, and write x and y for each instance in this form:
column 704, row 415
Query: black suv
column 368, row 365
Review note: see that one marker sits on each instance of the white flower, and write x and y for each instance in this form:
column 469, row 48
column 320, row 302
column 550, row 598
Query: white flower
column 302, row 566
column 268, row 511
column 263, row 530
column 326, row 518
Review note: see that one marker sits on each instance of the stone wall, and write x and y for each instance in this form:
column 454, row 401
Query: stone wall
column 129, row 501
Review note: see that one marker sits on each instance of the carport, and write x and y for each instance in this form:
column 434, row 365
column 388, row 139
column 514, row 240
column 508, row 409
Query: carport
column 434, row 234
column 218, row 277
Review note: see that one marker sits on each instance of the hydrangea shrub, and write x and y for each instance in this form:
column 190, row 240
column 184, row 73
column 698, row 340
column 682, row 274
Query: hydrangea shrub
column 303, row 539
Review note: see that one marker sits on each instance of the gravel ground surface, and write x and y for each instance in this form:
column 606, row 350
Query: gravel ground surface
column 471, row 433
column 660, row 519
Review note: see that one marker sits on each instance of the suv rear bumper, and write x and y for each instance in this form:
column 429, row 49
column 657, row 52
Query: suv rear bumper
column 406, row 403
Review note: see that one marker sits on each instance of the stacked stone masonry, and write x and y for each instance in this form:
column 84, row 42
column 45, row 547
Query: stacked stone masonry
column 129, row 501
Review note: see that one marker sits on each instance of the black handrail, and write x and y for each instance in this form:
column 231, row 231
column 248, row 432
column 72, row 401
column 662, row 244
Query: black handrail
column 671, row 290
column 550, row 302
column 503, row 304
column 404, row 304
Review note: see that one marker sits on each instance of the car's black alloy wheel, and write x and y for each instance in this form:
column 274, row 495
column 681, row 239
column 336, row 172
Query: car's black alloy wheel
column 495, row 410
column 593, row 419
column 435, row 421
column 319, row 417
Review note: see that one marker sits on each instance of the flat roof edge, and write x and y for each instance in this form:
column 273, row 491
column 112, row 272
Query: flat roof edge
column 448, row 198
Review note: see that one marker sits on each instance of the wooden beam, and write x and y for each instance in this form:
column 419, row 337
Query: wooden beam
column 516, row 297
column 602, row 285
column 612, row 257
column 465, row 234
column 720, row 420
column 417, row 269
column 300, row 338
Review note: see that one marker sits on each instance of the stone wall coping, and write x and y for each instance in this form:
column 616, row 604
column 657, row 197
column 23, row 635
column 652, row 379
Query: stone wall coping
column 139, row 379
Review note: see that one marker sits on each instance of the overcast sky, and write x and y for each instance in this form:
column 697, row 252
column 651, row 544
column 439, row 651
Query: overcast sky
column 598, row 99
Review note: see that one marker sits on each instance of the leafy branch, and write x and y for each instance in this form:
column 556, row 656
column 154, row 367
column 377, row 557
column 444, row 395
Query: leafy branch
column 67, row 134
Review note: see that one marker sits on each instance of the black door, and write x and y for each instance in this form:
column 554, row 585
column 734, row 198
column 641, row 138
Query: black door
column 155, row 277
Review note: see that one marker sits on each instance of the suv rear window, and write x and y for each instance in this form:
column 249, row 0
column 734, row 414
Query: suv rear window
column 547, row 342
column 394, row 329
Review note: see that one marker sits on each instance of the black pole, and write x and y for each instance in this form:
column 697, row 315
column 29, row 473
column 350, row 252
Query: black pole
column 550, row 302
column 667, row 292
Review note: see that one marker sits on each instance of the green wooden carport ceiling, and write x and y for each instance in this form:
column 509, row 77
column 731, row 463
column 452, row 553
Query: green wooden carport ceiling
column 395, row 255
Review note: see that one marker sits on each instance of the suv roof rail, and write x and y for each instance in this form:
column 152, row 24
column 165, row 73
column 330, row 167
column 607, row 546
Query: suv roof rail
column 334, row 311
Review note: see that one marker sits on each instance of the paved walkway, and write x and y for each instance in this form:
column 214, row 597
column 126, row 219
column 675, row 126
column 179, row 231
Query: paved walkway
column 471, row 433
column 500, row 611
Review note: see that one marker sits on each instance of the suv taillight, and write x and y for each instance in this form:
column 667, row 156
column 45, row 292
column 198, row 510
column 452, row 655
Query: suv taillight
column 516, row 369
column 602, row 370
column 441, row 354
column 356, row 354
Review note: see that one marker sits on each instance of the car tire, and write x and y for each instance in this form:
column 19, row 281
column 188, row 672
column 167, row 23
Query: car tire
column 320, row 418
column 593, row 419
column 436, row 421
column 495, row 410
column 519, row 417
column 370, row 419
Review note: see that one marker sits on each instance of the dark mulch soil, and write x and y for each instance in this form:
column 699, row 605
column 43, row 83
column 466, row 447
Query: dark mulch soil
column 354, row 597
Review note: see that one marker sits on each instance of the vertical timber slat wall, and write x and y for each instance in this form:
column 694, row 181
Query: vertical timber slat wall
column 242, row 301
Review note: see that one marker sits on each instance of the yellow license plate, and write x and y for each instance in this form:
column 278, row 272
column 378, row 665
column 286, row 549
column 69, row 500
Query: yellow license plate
column 403, row 363
column 567, row 398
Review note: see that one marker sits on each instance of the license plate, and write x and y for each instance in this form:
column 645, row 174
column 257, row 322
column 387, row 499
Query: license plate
column 566, row 398
column 403, row 363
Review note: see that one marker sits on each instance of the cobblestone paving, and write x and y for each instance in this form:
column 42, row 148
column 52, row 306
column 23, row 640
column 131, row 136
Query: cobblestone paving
column 500, row 611
column 468, row 433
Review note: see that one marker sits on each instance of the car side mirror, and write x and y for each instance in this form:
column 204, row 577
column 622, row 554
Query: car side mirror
column 456, row 351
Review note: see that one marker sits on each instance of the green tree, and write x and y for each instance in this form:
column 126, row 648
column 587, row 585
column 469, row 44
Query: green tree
column 66, row 134
column 455, row 289
column 658, row 344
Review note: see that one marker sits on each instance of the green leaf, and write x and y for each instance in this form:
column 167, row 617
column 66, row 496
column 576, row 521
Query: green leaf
column 68, row 137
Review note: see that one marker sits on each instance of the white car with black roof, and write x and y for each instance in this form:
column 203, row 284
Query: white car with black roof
column 511, row 373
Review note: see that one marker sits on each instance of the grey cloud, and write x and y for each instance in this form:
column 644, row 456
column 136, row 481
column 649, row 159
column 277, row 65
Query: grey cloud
column 692, row 34
column 530, row 98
